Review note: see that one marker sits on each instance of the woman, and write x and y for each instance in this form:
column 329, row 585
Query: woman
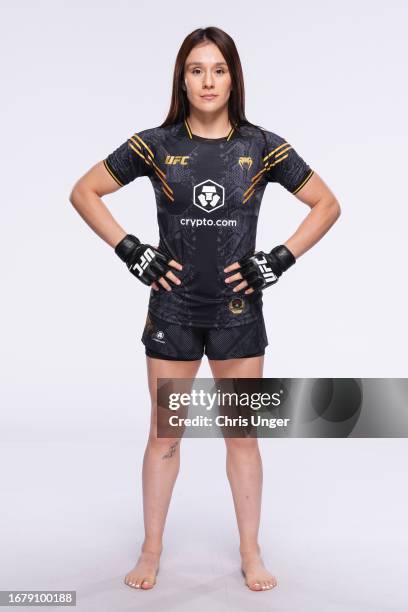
column 209, row 167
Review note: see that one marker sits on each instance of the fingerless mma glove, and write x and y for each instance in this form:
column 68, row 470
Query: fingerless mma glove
column 262, row 270
column 143, row 260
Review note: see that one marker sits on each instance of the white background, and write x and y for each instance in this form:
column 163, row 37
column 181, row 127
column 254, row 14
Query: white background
column 79, row 78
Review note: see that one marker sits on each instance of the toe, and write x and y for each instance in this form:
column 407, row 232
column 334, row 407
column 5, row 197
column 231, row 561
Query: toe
column 256, row 586
column 147, row 584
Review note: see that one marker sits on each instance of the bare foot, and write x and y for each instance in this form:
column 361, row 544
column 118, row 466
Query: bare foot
column 143, row 575
column 257, row 577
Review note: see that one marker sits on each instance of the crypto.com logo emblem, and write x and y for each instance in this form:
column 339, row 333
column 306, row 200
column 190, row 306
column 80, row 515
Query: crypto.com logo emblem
column 208, row 195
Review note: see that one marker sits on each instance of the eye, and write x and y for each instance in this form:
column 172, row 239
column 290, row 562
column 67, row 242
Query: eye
column 219, row 70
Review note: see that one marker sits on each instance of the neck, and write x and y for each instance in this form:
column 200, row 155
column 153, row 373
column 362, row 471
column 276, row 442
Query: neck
column 209, row 126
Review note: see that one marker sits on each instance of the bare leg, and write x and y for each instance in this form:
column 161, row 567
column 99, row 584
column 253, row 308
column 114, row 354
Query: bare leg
column 244, row 471
column 161, row 465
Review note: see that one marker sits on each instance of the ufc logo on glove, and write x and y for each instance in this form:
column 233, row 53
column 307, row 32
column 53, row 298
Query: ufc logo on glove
column 145, row 259
column 267, row 272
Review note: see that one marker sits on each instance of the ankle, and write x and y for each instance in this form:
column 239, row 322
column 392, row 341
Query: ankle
column 250, row 549
column 155, row 548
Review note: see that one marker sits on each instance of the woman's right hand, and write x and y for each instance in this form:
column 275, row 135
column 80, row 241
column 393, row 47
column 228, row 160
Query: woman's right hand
column 147, row 262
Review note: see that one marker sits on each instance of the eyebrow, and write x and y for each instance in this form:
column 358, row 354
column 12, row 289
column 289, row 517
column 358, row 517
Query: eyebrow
column 201, row 64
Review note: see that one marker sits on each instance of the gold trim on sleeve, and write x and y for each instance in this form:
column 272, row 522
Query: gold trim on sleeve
column 111, row 173
column 304, row 182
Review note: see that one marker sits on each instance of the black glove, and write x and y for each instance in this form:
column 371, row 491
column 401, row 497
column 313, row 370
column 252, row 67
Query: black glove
column 262, row 270
column 143, row 260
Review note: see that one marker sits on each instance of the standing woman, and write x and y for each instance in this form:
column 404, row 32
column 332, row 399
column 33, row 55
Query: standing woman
column 209, row 167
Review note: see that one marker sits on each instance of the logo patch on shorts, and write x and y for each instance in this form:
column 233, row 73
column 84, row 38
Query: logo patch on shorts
column 237, row 305
column 158, row 336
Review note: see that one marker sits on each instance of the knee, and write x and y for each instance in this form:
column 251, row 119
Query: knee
column 241, row 445
column 159, row 423
column 166, row 447
column 161, row 427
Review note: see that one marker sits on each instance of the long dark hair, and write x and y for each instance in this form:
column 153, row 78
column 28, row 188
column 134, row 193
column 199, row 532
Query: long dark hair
column 179, row 106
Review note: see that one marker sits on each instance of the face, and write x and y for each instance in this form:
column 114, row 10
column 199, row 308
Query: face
column 206, row 73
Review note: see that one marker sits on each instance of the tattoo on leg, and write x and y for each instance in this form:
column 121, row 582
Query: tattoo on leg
column 171, row 450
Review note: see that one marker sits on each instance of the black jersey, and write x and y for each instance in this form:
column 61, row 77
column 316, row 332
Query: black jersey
column 208, row 195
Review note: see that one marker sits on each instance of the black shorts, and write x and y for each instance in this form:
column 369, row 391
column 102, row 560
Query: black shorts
column 166, row 340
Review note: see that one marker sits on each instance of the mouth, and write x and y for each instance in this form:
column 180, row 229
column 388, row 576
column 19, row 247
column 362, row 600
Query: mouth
column 209, row 97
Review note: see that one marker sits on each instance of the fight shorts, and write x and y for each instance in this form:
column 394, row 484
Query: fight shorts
column 165, row 340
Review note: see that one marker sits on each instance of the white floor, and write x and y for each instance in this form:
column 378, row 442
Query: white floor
column 333, row 524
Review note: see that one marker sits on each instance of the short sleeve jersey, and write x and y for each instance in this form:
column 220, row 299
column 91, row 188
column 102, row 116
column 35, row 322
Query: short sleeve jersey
column 208, row 194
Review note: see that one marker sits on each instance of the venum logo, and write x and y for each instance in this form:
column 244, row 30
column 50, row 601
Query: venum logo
column 209, row 195
column 245, row 161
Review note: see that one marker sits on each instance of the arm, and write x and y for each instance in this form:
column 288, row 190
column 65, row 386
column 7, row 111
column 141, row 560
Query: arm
column 86, row 198
column 325, row 210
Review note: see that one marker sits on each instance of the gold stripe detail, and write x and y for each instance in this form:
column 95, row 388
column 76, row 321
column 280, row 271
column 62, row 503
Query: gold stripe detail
column 279, row 157
column 285, row 144
column 272, row 164
column 143, row 143
column 267, row 167
column 256, row 175
column 111, row 173
column 158, row 169
column 148, row 162
column 230, row 133
column 167, row 194
column 190, row 133
column 169, row 189
column 247, row 198
column 135, row 143
column 188, row 128
column 161, row 175
column 303, row 182
column 253, row 185
column 255, row 179
column 282, row 152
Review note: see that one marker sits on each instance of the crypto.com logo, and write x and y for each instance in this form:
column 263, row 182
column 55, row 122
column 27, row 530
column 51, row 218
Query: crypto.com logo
column 208, row 195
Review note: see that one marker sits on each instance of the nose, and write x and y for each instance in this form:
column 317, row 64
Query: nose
column 208, row 80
